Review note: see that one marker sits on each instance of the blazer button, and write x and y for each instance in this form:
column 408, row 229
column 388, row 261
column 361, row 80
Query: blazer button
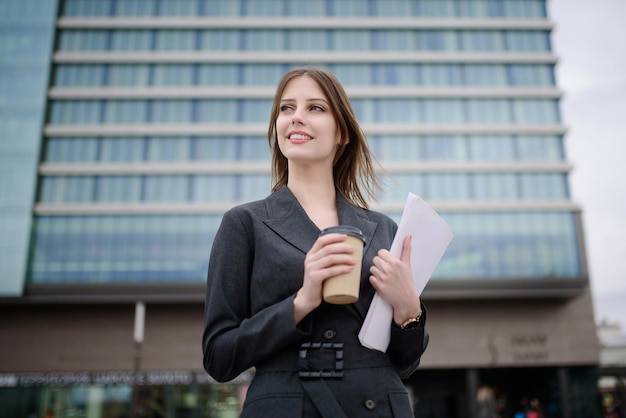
column 370, row 404
column 329, row 334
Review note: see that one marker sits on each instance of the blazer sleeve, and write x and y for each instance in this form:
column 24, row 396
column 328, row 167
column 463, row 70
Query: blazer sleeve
column 234, row 338
column 407, row 346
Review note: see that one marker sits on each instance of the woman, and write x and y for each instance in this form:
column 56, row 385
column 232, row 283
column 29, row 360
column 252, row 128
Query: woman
column 264, row 305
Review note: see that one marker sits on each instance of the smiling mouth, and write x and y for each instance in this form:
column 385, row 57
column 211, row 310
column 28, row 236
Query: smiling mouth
column 299, row 137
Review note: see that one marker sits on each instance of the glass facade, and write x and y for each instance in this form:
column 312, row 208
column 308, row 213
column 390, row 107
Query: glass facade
column 252, row 74
column 529, row 9
column 26, row 34
column 167, row 175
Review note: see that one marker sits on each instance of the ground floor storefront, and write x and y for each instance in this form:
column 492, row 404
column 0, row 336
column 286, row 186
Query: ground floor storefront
column 82, row 359
column 559, row 392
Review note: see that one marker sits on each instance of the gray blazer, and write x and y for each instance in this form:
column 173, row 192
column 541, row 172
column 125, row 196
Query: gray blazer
column 256, row 266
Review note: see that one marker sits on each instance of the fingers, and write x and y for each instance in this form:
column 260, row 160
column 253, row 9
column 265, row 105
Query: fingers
column 406, row 249
column 332, row 248
column 329, row 256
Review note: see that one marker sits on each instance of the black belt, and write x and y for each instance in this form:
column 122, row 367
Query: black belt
column 317, row 361
column 324, row 360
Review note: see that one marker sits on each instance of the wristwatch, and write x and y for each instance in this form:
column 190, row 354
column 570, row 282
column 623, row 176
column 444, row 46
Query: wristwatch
column 411, row 322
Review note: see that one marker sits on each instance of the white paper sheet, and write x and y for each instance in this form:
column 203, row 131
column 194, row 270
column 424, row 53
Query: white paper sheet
column 430, row 238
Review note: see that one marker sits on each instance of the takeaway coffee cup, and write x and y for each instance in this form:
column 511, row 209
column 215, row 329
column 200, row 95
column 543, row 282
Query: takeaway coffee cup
column 344, row 288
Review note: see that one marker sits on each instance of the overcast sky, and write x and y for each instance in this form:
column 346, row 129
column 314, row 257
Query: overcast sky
column 589, row 40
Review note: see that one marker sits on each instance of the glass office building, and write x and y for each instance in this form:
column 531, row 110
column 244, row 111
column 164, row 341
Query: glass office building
column 127, row 127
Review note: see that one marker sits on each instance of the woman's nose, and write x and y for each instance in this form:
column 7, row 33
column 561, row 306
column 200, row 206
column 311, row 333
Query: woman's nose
column 297, row 118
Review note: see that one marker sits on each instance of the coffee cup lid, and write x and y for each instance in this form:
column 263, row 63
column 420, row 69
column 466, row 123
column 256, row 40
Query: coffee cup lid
column 344, row 229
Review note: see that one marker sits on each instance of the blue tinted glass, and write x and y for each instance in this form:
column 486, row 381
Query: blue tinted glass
column 174, row 248
column 489, row 111
column 128, row 248
column 26, row 43
column 446, row 187
column 511, row 245
column 118, row 189
column 173, row 75
column 178, row 7
column 547, row 148
column 500, row 187
column 128, row 75
column 527, row 41
column 166, row 188
column 350, row 40
column 307, row 8
column 135, row 8
column 119, row 149
column 125, row 111
column 492, row 148
column 83, row 40
column 536, row 111
column 221, row 40
column 75, row 8
column 444, row 148
column 175, row 40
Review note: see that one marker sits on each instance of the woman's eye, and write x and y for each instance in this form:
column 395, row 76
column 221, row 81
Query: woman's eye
column 317, row 107
column 284, row 108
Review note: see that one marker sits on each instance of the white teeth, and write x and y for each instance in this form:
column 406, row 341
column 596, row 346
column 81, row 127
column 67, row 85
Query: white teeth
column 299, row 137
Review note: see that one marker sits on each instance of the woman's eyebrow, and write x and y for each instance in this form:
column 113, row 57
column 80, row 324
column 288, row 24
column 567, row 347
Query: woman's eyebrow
column 314, row 99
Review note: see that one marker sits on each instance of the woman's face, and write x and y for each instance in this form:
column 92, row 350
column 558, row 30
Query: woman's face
column 306, row 129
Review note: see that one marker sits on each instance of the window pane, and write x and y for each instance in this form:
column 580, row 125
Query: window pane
column 135, row 8
column 527, row 41
column 171, row 111
column 307, row 8
column 131, row 40
column 175, row 40
column 307, row 40
column 487, row 111
column 219, row 40
column 178, row 7
column 261, row 74
column 540, row 148
column 169, row 149
column 121, row 149
column 166, row 188
column 128, row 75
column 126, row 111
column 119, row 189
column 445, row 148
column 350, row 40
column 485, row 75
column 396, row 148
column 536, row 111
column 218, row 74
column 495, row 187
column 492, row 148
column 215, row 149
column 263, row 40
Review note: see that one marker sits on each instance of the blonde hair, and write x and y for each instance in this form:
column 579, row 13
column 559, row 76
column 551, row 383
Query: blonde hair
column 353, row 168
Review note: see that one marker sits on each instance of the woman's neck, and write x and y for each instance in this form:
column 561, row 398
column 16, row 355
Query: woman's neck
column 317, row 196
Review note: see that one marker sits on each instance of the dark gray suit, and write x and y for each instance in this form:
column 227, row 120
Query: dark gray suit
column 255, row 269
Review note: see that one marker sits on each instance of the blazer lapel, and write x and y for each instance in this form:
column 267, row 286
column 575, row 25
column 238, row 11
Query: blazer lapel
column 289, row 220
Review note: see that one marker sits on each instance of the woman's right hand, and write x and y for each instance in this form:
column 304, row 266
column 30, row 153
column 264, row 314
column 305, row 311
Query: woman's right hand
column 329, row 256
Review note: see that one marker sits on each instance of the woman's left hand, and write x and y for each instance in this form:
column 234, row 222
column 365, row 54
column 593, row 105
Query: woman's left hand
column 392, row 279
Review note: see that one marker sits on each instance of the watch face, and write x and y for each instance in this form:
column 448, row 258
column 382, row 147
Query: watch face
column 411, row 324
